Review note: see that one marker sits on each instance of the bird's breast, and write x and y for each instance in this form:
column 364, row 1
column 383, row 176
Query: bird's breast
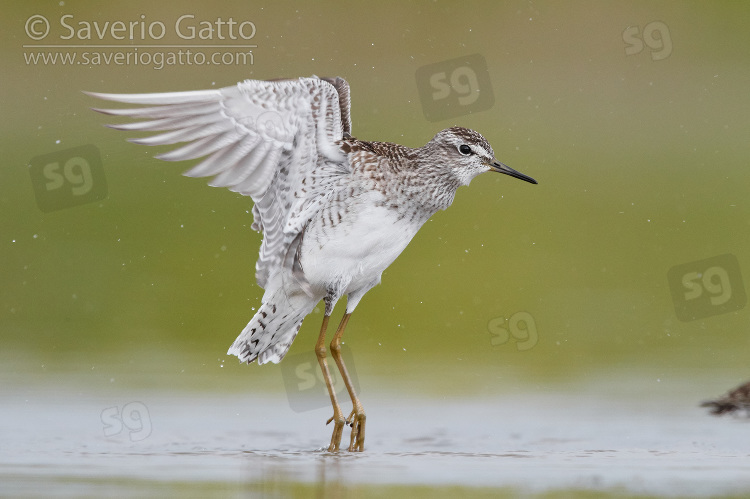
column 355, row 240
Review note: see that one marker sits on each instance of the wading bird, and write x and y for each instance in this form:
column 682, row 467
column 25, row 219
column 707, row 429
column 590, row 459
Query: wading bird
column 334, row 211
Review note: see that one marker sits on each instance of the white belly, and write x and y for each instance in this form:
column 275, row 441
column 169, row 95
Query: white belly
column 357, row 249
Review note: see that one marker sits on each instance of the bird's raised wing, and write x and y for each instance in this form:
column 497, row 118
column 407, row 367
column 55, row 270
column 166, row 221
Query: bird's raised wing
column 275, row 141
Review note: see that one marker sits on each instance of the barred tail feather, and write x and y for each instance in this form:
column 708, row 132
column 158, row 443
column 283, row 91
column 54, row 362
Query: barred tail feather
column 268, row 336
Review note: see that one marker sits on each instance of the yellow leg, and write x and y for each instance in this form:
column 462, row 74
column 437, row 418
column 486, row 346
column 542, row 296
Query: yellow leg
column 357, row 418
column 338, row 416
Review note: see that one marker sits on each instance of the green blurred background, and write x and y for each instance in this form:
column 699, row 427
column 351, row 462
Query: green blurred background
column 642, row 163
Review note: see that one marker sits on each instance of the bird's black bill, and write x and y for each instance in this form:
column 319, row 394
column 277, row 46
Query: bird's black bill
column 497, row 166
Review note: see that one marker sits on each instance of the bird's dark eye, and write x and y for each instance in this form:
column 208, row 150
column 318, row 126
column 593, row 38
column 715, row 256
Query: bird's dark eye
column 464, row 149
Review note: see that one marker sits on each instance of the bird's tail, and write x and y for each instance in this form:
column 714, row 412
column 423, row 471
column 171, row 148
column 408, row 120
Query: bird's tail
column 268, row 336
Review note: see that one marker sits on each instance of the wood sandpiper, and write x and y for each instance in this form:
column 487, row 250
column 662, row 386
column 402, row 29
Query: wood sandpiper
column 334, row 211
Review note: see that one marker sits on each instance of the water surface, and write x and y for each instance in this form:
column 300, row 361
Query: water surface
column 60, row 439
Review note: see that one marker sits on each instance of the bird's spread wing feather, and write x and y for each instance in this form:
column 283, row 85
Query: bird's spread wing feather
column 275, row 141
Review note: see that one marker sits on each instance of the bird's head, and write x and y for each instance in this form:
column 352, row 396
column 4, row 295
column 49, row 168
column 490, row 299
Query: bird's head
column 468, row 154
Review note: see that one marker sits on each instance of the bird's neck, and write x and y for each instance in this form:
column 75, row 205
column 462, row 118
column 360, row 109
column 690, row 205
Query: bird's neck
column 418, row 184
column 428, row 188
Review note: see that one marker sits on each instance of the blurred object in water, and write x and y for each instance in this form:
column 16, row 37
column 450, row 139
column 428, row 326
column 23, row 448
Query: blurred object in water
column 736, row 400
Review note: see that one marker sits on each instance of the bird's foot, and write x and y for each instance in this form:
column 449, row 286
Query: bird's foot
column 357, row 421
column 338, row 429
